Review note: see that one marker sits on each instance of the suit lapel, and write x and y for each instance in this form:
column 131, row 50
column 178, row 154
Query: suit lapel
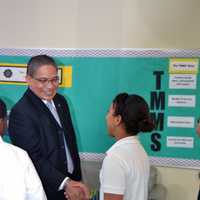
column 59, row 110
column 40, row 106
column 65, row 124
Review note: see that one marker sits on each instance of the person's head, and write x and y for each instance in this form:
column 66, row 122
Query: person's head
column 129, row 112
column 3, row 117
column 42, row 76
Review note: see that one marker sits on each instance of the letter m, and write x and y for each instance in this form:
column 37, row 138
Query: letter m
column 157, row 100
column 158, row 119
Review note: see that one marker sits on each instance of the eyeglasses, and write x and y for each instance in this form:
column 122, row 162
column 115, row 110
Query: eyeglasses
column 45, row 81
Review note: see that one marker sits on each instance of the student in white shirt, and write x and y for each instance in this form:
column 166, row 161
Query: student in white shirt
column 18, row 177
column 125, row 170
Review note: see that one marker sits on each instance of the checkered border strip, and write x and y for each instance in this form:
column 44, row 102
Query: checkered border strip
column 156, row 161
column 175, row 162
column 98, row 52
column 92, row 156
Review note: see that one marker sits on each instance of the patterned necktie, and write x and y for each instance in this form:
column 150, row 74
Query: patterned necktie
column 51, row 107
column 53, row 110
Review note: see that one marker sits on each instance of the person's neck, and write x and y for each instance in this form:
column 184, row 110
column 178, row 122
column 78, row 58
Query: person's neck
column 120, row 133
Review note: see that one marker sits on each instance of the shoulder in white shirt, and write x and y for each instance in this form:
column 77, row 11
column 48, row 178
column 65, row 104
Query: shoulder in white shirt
column 19, row 179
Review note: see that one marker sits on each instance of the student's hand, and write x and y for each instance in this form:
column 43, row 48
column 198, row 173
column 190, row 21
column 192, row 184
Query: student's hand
column 76, row 190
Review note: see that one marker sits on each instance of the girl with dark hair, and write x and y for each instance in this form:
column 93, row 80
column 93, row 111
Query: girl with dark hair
column 125, row 170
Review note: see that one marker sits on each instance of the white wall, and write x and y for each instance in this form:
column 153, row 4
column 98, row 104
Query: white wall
column 108, row 24
column 181, row 184
column 100, row 23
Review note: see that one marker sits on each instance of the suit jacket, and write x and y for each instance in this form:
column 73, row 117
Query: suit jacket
column 33, row 128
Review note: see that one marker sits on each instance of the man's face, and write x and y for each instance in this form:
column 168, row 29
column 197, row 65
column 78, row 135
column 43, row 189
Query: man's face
column 44, row 82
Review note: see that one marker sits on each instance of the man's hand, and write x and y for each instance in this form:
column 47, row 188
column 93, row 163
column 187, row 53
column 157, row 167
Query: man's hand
column 76, row 190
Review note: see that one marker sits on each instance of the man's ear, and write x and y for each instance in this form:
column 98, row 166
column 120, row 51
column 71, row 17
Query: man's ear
column 27, row 78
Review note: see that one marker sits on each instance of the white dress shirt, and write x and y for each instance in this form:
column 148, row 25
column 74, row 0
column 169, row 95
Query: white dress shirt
column 18, row 177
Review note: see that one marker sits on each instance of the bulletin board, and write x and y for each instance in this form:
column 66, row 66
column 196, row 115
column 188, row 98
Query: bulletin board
column 90, row 79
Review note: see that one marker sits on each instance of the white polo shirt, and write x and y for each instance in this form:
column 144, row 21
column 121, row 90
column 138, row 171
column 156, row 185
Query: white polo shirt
column 18, row 177
column 125, row 170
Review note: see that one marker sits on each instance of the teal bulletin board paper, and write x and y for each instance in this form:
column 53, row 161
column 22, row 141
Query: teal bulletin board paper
column 97, row 80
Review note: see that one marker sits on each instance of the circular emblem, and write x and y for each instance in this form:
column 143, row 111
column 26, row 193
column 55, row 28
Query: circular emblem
column 7, row 73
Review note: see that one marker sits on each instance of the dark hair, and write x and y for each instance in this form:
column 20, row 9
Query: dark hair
column 3, row 109
column 37, row 61
column 134, row 112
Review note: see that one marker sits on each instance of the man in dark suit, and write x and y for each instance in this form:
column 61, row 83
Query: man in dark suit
column 40, row 123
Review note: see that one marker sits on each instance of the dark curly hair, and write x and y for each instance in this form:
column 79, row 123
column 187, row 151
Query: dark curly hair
column 134, row 112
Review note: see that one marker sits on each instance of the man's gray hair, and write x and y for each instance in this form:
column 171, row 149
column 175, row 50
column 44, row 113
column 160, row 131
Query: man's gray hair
column 37, row 61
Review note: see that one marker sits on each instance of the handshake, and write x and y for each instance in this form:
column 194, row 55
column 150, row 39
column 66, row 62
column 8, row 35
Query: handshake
column 74, row 190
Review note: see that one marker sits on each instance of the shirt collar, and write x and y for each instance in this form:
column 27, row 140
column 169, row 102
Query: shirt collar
column 45, row 102
column 126, row 140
